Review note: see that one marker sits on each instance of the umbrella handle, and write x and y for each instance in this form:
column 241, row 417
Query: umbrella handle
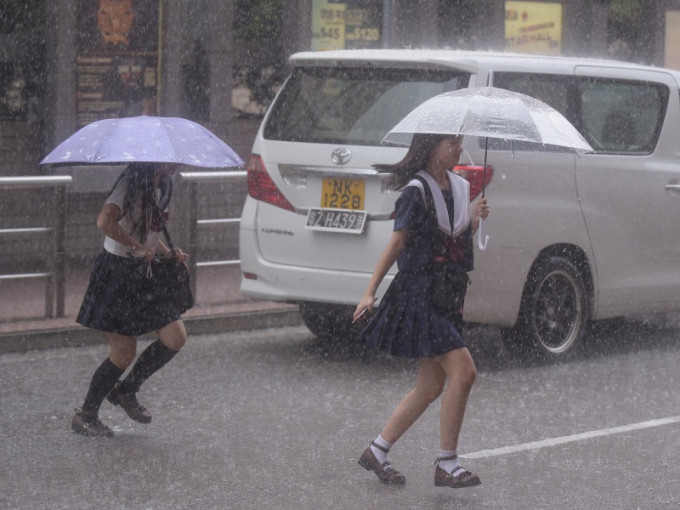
column 481, row 244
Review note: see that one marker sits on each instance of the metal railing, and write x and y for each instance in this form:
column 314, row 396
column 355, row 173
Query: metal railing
column 55, row 258
column 192, row 180
column 52, row 264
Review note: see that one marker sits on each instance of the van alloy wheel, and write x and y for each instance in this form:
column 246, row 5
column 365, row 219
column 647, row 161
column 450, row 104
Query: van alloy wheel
column 557, row 312
column 554, row 314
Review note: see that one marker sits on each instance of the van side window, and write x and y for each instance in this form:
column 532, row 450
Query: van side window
column 621, row 117
column 549, row 88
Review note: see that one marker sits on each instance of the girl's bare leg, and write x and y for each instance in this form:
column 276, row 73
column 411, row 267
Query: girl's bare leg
column 460, row 369
column 173, row 336
column 123, row 349
column 429, row 385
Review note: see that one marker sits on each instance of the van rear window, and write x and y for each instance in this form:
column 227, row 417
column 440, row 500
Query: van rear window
column 356, row 106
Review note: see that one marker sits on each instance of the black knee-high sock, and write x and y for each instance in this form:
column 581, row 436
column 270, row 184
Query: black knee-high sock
column 104, row 378
column 151, row 360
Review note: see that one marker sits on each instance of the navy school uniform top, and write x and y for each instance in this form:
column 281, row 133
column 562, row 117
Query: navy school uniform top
column 405, row 324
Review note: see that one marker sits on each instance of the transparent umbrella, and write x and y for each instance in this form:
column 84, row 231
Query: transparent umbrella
column 489, row 112
column 144, row 139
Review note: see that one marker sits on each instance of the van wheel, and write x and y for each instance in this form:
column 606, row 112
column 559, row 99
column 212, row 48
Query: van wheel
column 326, row 320
column 553, row 316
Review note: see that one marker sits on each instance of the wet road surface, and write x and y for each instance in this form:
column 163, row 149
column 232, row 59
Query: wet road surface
column 278, row 419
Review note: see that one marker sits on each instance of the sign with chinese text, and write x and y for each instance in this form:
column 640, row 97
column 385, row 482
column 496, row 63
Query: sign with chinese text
column 328, row 25
column 350, row 24
column 533, row 27
column 117, row 59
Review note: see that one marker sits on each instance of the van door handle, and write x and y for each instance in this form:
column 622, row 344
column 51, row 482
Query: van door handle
column 673, row 187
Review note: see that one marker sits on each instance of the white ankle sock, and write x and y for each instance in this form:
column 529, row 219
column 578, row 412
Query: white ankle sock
column 379, row 454
column 448, row 465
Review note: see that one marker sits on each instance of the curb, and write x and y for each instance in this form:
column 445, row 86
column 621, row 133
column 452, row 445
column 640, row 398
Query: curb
column 79, row 336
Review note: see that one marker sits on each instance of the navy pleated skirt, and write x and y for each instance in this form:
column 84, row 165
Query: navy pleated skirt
column 405, row 324
column 119, row 298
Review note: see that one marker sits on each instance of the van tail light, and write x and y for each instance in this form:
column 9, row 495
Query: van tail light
column 475, row 175
column 262, row 187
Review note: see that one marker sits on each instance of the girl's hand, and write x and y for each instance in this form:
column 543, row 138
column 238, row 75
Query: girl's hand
column 142, row 252
column 482, row 208
column 364, row 307
column 180, row 256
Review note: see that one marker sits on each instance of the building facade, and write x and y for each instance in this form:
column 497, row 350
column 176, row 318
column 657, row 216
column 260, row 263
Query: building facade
column 218, row 62
column 65, row 63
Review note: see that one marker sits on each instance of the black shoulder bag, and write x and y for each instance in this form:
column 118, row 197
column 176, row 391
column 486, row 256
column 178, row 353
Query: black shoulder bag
column 170, row 280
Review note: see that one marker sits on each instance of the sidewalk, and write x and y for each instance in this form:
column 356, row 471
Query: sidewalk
column 219, row 307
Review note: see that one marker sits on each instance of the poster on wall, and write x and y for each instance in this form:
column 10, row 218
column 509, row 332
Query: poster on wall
column 672, row 40
column 117, row 59
column 533, row 27
column 348, row 24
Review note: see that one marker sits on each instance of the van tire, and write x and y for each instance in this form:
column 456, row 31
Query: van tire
column 326, row 320
column 554, row 313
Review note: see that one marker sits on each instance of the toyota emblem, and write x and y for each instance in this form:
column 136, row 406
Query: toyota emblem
column 341, row 156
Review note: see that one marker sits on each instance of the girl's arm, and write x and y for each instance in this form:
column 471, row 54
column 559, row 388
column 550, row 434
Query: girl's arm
column 164, row 250
column 389, row 255
column 107, row 223
column 179, row 255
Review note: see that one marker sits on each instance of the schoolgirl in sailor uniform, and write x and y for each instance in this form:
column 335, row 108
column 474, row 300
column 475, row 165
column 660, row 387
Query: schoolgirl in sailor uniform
column 117, row 300
column 432, row 235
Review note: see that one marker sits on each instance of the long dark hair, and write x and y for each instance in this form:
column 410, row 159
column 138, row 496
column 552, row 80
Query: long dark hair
column 139, row 187
column 415, row 160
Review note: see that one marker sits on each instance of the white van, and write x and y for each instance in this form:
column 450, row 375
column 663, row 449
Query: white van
column 573, row 237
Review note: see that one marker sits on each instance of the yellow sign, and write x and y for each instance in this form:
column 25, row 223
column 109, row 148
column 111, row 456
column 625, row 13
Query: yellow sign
column 533, row 27
column 328, row 25
column 672, row 40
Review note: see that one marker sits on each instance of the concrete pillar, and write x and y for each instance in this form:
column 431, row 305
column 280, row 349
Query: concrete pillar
column 60, row 36
column 219, row 49
column 472, row 25
column 490, row 25
column 171, row 51
column 598, row 31
column 416, row 23
column 428, row 23
column 388, row 24
column 584, row 28
column 296, row 27
column 653, row 32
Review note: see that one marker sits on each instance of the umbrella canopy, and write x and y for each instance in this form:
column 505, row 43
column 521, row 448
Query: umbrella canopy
column 492, row 113
column 489, row 112
column 144, row 139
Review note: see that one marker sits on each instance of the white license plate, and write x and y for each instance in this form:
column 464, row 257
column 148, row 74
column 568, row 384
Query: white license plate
column 336, row 220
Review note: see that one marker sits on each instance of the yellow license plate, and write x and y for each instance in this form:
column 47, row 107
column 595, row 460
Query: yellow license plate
column 338, row 193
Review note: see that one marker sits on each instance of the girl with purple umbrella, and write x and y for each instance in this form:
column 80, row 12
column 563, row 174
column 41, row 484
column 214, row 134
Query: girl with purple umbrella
column 118, row 301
